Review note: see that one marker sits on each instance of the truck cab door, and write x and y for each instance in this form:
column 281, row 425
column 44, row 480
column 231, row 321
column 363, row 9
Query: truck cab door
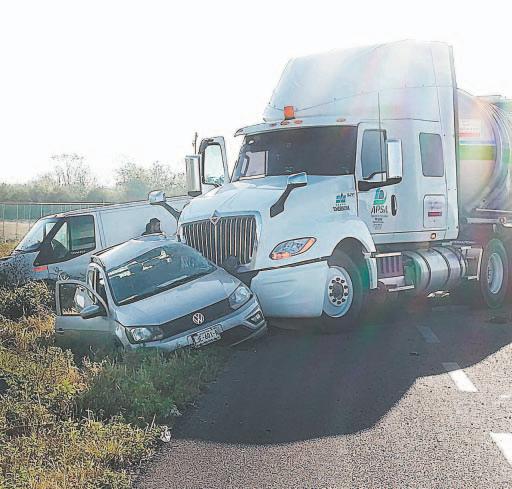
column 208, row 169
column 72, row 297
column 379, row 180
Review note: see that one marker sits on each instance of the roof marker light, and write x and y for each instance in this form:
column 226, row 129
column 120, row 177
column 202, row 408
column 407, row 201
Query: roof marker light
column 289, row 112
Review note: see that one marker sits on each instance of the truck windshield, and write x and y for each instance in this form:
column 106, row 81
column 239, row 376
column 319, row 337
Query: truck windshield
column 155, row 271
column 329, row 150
column 33, row 239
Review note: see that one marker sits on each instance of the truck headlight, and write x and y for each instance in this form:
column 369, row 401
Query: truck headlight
column 293, row 247
column 239, row 297
column 143, row 334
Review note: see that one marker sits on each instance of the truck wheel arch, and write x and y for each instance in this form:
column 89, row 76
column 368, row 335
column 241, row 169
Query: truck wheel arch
column 357, row 250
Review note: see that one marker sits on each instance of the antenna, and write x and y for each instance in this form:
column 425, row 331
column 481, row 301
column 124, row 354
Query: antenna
column 380, row 134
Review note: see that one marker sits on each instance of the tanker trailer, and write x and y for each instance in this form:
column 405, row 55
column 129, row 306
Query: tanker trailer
column 485, row 141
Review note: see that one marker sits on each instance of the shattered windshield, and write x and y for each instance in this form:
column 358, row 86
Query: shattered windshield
column 33, row 239
column 159, row 269
column 329, row 150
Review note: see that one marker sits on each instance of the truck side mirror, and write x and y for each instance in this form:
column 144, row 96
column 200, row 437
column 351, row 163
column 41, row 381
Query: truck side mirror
column 395, row 164
column 156, row 197
column 394, row 168
column 193, row 175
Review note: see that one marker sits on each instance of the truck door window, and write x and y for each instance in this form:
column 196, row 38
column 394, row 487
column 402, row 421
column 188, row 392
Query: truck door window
column 213, row 167
column 373, row 153
column 431, row 149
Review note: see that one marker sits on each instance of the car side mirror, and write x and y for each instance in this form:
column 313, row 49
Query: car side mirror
column 193, row 175
column 92, row 311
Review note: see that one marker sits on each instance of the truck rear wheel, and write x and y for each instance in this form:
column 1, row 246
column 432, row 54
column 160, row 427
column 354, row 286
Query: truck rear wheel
column 494, row 274
column 344, row 295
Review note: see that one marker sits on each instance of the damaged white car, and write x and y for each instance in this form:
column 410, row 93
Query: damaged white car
column 154, row 291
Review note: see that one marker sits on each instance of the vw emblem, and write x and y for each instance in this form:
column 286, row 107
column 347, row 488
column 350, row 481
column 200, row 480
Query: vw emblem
column 198, row 318
column 214, row 218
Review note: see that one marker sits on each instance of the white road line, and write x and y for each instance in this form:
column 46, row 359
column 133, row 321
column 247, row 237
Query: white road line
column 504, row 442
column 428, row 335
column 460, row 379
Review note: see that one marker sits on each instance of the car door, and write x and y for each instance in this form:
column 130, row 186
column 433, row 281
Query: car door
column 71, row 297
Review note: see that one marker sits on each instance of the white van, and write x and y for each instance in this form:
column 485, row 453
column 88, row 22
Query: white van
column 59, row 247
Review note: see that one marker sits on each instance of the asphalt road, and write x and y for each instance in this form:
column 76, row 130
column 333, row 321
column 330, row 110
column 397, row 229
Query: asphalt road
column 371, row 408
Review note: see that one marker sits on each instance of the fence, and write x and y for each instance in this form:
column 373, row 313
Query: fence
column 16, row 218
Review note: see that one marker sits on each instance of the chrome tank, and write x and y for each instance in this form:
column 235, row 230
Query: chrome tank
column 438, row 268
column 485, row 141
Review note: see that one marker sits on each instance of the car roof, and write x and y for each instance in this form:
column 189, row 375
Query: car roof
column 121, row 253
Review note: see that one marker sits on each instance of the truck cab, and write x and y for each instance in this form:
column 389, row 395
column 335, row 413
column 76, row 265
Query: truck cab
column 343, row 189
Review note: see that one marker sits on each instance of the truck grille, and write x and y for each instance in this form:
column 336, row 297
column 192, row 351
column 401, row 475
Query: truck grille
column 230, row 236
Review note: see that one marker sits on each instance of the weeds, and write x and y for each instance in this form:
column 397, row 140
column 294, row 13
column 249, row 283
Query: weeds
column 64, row 425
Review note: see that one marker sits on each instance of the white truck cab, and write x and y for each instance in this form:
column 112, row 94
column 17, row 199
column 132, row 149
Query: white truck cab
column 356, row 180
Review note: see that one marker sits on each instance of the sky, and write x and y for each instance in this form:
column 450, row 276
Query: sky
column 134, row 80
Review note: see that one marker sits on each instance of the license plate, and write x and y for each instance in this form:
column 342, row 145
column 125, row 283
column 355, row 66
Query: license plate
column 205, row 336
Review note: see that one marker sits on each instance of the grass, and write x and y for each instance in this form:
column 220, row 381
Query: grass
column 68, row 424
column 6, row 248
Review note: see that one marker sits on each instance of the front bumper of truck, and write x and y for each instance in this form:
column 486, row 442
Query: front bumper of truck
column 291, row 291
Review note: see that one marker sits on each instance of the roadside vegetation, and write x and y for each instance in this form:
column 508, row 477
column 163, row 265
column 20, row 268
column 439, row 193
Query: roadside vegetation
column 68, row 422
column 6, row 248
column 72, row 180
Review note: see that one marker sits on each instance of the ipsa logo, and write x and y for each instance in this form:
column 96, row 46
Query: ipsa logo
column 380, row 197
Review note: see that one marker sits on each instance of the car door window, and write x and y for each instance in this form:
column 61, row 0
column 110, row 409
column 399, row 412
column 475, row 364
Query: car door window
column 73, row 297
column 81, row 234
column 75, row 236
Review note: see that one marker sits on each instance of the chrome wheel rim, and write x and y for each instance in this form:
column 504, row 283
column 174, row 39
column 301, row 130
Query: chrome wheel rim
column 339, row 292
column 495, row 273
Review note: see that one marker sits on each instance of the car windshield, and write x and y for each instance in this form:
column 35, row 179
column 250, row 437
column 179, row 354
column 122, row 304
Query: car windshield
column 33, row 239
column 329, row 150
column 157, row 270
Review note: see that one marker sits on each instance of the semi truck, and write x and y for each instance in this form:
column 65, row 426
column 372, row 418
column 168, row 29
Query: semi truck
column 372, row 172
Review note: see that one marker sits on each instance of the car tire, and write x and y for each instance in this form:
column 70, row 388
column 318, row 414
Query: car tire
column 345, row 294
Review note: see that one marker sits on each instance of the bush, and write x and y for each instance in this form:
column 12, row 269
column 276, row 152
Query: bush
column 29, row 299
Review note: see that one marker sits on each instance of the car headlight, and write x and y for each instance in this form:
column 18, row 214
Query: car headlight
column 143, row 334
column 293, row 247
column 239, row 297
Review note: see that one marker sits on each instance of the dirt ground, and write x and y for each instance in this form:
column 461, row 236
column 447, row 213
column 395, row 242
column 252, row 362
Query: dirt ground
column 12, row 231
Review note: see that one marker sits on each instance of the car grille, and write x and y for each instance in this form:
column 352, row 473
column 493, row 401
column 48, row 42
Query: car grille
column 230, row 236
column 184, row 323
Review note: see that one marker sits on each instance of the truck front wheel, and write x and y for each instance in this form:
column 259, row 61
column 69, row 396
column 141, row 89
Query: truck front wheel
column 344, row 294
column 494, row 274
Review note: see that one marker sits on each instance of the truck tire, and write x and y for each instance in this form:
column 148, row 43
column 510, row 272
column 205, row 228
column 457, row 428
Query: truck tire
column 494, row 274
column 345, row 294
